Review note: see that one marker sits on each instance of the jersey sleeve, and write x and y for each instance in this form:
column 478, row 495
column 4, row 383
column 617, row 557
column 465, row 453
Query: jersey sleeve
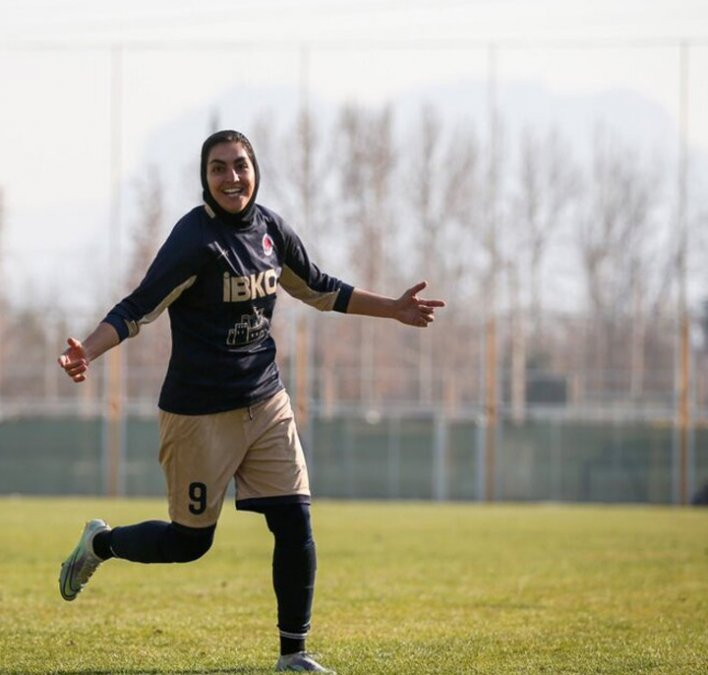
column 302, row 279
column 173, row 271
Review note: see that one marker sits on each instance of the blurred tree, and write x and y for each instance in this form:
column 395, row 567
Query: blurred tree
column 548, row 181
column 545, row 185
column 620, row 259
column 365, row 164
column 147, row 355
column 444, row 207
column 147, row 234
column 366, row 161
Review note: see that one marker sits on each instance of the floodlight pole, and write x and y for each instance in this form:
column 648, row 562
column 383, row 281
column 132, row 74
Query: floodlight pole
column 490, row 328
column 684, row 370
column 114, row 413
column 302, row 336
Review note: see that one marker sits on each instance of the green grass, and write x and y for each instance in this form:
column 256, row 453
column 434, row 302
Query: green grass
column 402, row 588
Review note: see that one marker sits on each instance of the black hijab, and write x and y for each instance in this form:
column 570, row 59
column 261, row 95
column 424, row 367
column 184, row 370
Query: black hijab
column 243, row 218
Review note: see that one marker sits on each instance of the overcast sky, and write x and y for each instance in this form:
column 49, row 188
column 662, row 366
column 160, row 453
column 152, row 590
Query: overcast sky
column 343, row 19
column 55, row 66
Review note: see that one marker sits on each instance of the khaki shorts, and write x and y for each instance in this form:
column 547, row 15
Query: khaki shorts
column 257, row 446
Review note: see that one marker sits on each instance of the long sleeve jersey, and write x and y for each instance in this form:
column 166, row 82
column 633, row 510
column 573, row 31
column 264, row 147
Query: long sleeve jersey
column 219, row 284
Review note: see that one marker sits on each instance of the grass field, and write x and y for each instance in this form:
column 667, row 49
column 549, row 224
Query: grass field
column 402, row 588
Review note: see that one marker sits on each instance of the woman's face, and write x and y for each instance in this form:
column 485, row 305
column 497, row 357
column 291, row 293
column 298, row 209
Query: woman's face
column 230, row 176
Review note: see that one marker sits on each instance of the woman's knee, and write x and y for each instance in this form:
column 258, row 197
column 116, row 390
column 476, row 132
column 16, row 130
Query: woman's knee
column 186, row 544
column 290, row 524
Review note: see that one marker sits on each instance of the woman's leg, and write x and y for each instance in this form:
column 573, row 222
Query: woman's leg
column 294, row 567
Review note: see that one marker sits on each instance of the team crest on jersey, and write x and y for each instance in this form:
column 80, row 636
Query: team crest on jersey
column 251, row 328
column 267, row 244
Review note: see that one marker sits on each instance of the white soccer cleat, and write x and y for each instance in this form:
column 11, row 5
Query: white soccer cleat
column 300, row 662
column 77, row 569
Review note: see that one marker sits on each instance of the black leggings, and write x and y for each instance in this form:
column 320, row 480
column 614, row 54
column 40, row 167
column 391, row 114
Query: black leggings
column 156, row 541
column 294, row 556
column 294, row 567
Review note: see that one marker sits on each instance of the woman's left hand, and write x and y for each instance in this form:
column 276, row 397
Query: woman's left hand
column 414, row 311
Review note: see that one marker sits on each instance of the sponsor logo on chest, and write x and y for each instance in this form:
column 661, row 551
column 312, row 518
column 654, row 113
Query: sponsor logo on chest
column 241, row 289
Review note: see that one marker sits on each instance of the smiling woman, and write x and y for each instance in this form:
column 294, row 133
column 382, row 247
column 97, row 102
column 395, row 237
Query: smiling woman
column 231, row 173
column 224, row 411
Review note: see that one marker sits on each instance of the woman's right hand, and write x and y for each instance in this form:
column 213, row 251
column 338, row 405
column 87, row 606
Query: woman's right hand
column 74, row 360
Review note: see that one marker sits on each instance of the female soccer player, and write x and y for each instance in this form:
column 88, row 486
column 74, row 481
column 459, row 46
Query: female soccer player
column 223, row 409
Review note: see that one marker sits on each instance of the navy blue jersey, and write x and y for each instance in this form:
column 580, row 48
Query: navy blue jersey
column 219, row 283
